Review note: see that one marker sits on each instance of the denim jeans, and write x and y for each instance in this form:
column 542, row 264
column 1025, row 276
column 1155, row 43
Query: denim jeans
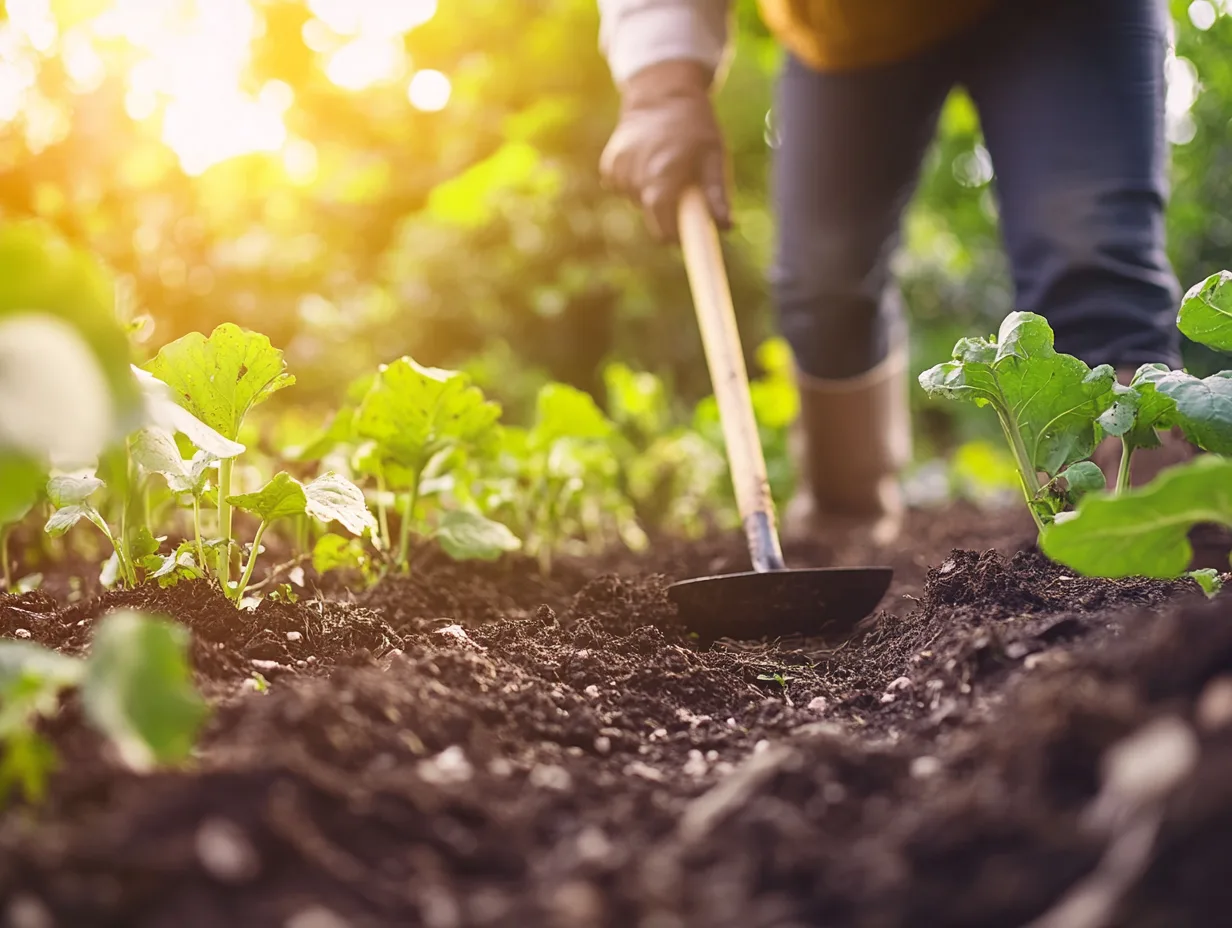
column 1071, row 100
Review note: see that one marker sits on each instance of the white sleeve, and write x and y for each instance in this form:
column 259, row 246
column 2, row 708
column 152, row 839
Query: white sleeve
column 635, row 34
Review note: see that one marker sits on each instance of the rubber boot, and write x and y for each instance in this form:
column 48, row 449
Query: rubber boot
column 850, row 442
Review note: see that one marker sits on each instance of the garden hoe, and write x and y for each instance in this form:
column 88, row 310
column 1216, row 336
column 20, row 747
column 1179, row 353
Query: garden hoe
column 770, row 600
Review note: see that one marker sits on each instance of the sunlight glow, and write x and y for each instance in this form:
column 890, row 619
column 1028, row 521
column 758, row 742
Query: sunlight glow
column 367, row 60
column 429, row 91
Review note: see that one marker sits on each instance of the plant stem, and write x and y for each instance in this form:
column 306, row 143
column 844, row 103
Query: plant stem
column 1026, row 470
column 408, row 516
column 382, row 513
column 1122, row 483
column 224, row 520
column 252, row 560
column 4, row 556
column 197, row 531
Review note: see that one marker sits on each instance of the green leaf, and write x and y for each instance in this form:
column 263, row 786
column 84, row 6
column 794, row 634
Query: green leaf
column 1143, row 531
column 27, row 761
column 41, row 274
column 412, row 412
column 21, row 484
column 467, row 536
column 1082, row 478
column 25, row 660
column 62, row 520
column 333, row 498
column 1208, row 579
column 563, row 411
column 69, row 489
column 281, row 497
column 334, row 552
column 138, row 689
column 1206, row 312
column 218, row 379
column 1050, row 400
column 1202, row 408
column 164, row 413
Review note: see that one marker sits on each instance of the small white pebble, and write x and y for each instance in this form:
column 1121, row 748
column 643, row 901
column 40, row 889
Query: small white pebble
column 603, row 744
column 550, row 776
column 593, row 845
column 583, row 654
column 925, row 767
column 449, row 766
column 818, row 704
column 295, row 636
column 760, row 746
column 316, row 917
column 592, row 691
column 899, row 684
column 712, row 756
column 731, row 723
column 658, row 734
column 645, row 771
column 26, row 911
column 265, row 665
column 301, row 663
column 500, row 767
column 888, row 698
column 21, row 632
column 696, row 765
column 225, row 851
column 1214, row 709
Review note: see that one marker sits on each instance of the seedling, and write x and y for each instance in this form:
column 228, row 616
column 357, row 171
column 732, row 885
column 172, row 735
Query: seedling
column 413, row 416
column 136, row 689
column 1046, row 403
column 329, row 498
column 780, row 678
column 219, row 379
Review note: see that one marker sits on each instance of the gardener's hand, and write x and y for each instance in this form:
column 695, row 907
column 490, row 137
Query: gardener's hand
column 668, row 139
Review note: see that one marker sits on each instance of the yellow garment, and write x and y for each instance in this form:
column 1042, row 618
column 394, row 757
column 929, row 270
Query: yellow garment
column 837, row 35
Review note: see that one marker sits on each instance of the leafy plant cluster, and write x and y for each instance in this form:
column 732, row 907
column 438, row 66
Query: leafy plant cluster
column 1054, row 410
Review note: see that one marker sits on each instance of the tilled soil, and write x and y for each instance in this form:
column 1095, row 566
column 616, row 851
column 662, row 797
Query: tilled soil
column 1006, row 744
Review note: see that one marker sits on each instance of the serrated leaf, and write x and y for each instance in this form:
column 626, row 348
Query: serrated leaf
column 218, row 379
column 1208, row 579
column 466, row 536
column 138, row 689
column 1051, row 400
column 164, row 412
column 1143, row 532
column 331, row 497
column 281, row 497
column 412, row 412
column 1206, row 312
column 562, row 411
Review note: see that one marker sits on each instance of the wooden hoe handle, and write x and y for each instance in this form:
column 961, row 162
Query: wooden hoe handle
column 703, row 258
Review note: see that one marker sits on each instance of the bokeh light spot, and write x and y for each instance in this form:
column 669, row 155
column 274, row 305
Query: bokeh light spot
column 429, row 91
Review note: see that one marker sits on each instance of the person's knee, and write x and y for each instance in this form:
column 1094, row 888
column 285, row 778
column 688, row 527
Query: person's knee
column 1093, row 262
column 830, row 289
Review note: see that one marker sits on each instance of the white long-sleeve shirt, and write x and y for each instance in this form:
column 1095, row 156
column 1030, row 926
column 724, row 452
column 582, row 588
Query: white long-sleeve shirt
column 634, row 34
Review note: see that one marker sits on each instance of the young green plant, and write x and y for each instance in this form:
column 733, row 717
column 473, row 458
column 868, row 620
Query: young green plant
column 329, row 498
column 219, row 379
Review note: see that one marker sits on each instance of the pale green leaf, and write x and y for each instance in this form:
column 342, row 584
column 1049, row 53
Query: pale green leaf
column 466, row 536
column 68, row 489
column 334, row 552
column 563, row 411
column 1206, row 312
column 66, row 517
column 281, row 497
column 412, row 412
column 1143, row 532
column 164, row 412
column 1208, row 579
column 138, row 689
column 333, row 498
column 218, row 379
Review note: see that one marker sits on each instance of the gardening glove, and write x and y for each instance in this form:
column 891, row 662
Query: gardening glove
column 667, row 139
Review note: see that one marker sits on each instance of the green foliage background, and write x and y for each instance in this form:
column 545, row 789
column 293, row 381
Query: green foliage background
column 478, row 236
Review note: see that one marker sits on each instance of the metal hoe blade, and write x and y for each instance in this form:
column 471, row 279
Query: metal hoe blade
column 824, row 602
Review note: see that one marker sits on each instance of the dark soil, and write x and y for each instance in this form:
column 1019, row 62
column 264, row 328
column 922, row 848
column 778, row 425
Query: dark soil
column 476, row 745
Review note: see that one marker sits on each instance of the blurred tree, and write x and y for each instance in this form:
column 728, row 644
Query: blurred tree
column 365, row 178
